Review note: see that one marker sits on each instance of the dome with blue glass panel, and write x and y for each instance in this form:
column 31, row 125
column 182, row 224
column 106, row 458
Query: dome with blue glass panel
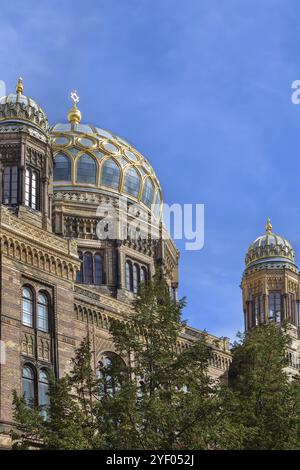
column 270, row 249
column 90, row 159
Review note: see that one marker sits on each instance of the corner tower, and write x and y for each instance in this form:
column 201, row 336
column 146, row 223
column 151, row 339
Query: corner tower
column 25, row 158
column 270, row 281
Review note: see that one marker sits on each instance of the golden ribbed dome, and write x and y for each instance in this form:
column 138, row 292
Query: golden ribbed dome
column 19, row 109
column 91, row 159
column 269, row 247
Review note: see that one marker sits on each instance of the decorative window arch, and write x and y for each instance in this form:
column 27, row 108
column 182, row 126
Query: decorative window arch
column 148, row 192
column 135, row 274
column 28, row 385
column 132, row 182
column 43, row 312
column 91, row 269
column 27, row 306
column 110, row 373
column 86, row 169
column 32, row 188
column 110, row 175
column 10, row 185
column 128, row 275
column 62, row 168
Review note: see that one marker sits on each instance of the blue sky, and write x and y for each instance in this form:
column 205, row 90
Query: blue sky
column 203, row 89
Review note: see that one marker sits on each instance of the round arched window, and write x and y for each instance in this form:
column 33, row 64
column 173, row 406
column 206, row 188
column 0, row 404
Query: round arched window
column 86, row 170
column 62, row 168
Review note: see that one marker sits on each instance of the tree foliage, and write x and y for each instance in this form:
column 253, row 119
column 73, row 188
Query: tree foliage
column 160, row 395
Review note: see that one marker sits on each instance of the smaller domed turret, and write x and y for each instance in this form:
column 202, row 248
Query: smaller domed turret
column 20, row 109
column 269, row 248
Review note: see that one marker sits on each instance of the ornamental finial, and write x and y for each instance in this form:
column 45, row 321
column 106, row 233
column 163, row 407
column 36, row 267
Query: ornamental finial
column 19, row 87
column 268, row 226
column 74, row 114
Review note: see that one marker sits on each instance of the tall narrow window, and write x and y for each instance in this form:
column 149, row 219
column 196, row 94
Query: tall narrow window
column 28, row 385
column 62, row 168
column 43, row 390
column 255, row 311
column 275, row 306
column 110, row 174
column 27, row 307
column 43, row 313
column 144, row 275
column 128, row 275
column 148, row 193
column 31, row 189
column 88, row 268
column 79, row 275
column 132, row 182
column 86, row 170
column 10, row 185
column 136, row 277
column 98, row 265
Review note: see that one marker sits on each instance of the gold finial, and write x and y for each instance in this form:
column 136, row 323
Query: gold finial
column 74, row 114
column 19, row 87
column 268, row 226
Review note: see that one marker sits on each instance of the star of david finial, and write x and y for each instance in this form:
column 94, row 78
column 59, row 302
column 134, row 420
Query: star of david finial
column 74, row 97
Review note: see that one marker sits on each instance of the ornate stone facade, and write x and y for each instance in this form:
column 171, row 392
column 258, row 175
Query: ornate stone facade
column 52, row 259
column 271, row 289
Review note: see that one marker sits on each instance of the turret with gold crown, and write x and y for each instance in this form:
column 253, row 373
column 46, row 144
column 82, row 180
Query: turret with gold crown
column 26, row 158
column 271, row 287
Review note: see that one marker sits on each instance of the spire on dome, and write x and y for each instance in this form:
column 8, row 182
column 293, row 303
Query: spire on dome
column 19, row 87
column 74, row 114
column 269, row 226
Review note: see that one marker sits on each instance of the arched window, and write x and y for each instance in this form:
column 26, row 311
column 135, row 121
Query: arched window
column 88, row 268
column 31, row 189
column 43, row 391
column 275, row 306
column 132, row 182
column 28, row 384
column 136, row 277
column 79, row 275
column 27, row 307
column 144, row 275
column 62, row 168
column 110, row 374
column 43, row 312
column 86, row 170
column 148, row 193
column 98, row 266
column 128, row 275
column 10, row 185
column 110, row 174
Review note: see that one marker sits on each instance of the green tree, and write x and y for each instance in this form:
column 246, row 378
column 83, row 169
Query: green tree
column 69, row 423
column 262, row 400
column 166, row 396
